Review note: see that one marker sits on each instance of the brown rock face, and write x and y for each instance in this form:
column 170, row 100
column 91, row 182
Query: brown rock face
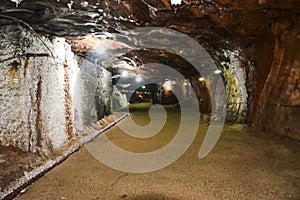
column 279, row 103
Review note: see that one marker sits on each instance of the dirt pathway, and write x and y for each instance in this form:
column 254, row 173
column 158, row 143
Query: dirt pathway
column 239, row 167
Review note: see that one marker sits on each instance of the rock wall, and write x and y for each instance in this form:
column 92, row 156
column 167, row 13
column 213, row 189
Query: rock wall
column 278, row 109
column 34, row 111
column 119, row 100
column 39, row 80
column 93, row 94
column 235, row 83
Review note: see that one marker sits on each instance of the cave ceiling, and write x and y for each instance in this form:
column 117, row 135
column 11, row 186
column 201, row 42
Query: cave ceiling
column 215, row 24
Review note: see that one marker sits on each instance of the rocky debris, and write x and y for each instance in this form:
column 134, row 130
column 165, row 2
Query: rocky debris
column 102, row 123
column 15, row 163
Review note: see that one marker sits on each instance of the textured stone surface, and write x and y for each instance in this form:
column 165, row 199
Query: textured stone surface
column 32, row 91
column 38, row 85
column 119, row 100
column 235, row 81
column 93, row 94
column 279, row 103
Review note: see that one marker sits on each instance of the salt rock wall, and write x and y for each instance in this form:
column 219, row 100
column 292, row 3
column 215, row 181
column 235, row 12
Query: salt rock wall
column 36, row 99
column 235, row 83
column 40, row 79
column 93, row 94
column 119, row 100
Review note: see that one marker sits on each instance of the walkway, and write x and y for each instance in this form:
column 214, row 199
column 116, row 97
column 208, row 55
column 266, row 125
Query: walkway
column 239, row 167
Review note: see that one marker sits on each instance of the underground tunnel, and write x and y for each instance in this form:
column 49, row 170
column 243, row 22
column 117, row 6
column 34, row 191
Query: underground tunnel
column 200, row 99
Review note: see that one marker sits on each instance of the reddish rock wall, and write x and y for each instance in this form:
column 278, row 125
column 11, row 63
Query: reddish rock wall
column 278, row 109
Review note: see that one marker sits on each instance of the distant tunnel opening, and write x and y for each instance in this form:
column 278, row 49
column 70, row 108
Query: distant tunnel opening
column 137, row 76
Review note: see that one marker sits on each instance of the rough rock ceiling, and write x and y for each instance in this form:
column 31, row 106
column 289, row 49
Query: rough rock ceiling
column 215, row 24
column 219, row 23
column 215, row 19
column 248, row 27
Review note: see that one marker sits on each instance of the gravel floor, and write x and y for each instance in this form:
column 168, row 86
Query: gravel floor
column 241, row 166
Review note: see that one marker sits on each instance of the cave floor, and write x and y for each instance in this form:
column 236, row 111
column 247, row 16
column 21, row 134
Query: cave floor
column 242, row 165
